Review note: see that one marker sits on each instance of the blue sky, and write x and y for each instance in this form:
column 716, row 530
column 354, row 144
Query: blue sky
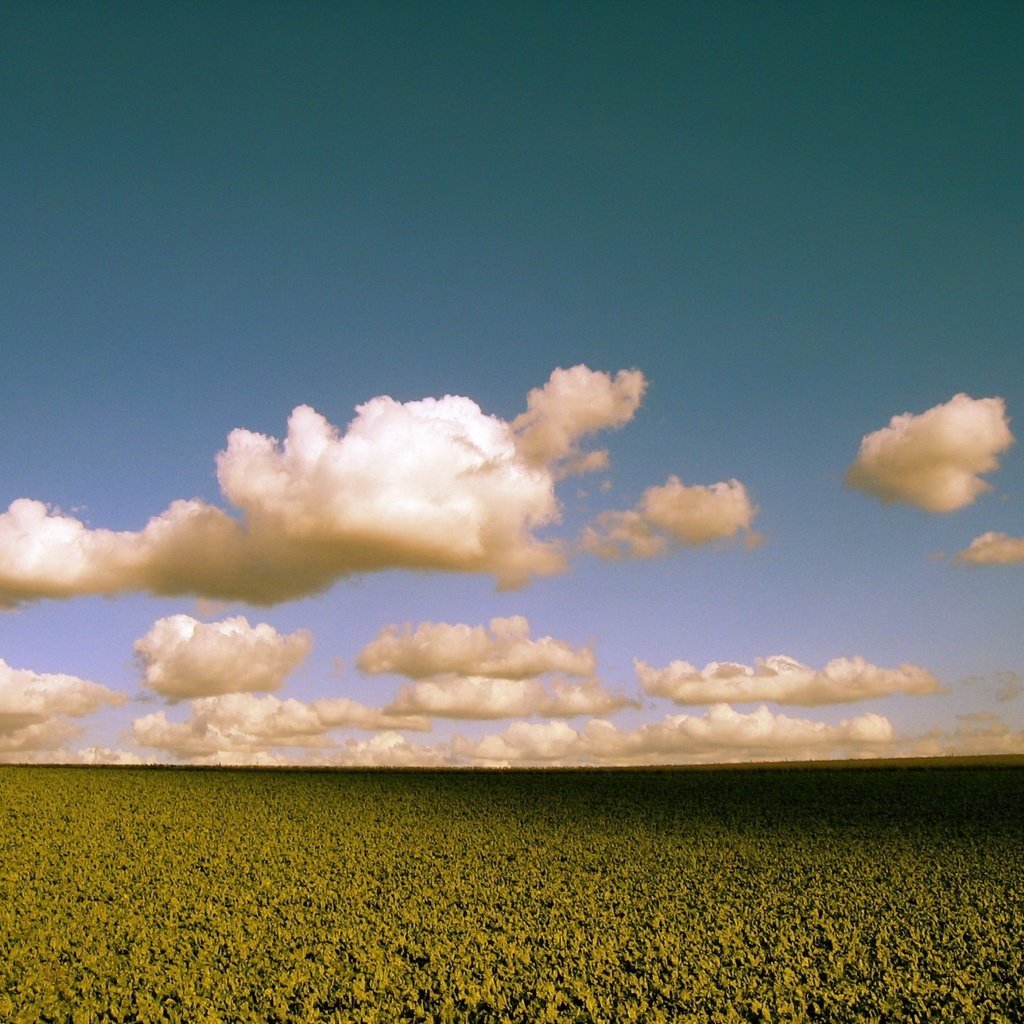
column 786, row 223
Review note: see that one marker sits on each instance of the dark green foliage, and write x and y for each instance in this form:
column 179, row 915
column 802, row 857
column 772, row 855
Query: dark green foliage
column 141, row 895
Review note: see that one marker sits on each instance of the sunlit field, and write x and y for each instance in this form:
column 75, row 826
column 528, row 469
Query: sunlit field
column 756, row 894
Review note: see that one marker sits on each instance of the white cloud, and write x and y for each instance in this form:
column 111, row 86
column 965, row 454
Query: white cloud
column 572, row 404
column 934, row 460
column 723, row 734
column 504, row 650
column 468, row 697
column 483, row 672
column 672, row 514
column 385, row 750
column 524, row 742
column 476, row 697
column 993, row 549
column 241, row 724
column 433, row 484
column 36, row 709
column 182, row 657
column 783, row 680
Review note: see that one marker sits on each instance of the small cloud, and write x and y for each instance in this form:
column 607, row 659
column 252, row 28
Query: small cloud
column 934, row 460
column 1009, row 686
column 673, row 514
column 993, row 549
column 479, row 698
column 182, row 657
column 783, row 680
column 504, row 650
column 572, row 404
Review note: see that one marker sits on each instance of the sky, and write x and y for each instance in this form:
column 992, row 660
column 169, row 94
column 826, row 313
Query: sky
column 510, row 384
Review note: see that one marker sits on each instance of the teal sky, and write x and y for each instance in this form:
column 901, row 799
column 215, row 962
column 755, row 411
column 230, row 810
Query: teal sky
column 795, row 221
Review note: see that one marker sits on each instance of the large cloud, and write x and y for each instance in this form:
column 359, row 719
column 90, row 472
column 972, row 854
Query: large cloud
column 672, row 514
column 723, row 734
column 241, row 724
column 36, row 709
column 934, row 460
column 182, row 657
column 433, row 484
column 504, row 650
column 993, row 549
column 782, row 680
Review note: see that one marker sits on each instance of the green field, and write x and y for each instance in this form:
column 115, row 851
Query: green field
column 865, row 894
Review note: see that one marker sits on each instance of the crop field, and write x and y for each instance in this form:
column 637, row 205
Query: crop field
column 374, row 897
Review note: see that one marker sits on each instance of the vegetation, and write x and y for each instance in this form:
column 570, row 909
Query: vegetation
column 373, row 897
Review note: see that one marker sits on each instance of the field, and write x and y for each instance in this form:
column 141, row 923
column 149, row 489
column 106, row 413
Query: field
column 373, row 897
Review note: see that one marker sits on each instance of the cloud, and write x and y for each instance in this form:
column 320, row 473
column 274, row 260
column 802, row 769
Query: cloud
column 981, row 733
column 502, row 651
column 670, row 515
column 181, row 657
column 432, row 484
column 36, row 709
column 934, row 460
column 475, row 697
column 529, row 742
column 782, row 680
column 572, row 404
column 242, row 724
column 384, row 750
column 723, row 734
column 993, row 549
column 483, row 672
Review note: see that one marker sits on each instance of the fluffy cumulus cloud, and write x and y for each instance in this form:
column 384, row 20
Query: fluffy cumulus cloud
column 721, row 735
column 235, row 727
column 782, row 680
column 502, row 650
column 494, row 671
column 673, row 514
column 476, row 697
column 431, row 484
column 934, row 460
column 37, row 710
column 573, row 404
column 993, row 549
column 182, row 657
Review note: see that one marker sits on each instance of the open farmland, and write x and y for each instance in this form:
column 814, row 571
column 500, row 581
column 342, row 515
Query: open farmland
column 864, row 894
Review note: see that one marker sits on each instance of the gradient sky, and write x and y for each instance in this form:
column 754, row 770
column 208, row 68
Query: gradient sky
column 759, row 231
